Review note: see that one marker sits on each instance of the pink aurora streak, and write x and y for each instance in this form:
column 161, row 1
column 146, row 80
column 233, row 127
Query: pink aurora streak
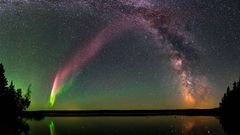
column 83, row 55
column 158, row 24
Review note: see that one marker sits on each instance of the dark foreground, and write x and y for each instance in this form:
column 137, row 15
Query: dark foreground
column 128, row 122
column 186, row 112
column 115, row 125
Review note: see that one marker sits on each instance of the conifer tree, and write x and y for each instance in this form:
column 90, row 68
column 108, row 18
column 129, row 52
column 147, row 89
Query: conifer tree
column 12, row 100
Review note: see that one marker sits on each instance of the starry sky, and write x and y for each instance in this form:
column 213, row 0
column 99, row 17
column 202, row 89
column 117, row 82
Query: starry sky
column 121, row 54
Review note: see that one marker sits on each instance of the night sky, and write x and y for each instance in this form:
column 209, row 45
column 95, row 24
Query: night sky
column 121, row 54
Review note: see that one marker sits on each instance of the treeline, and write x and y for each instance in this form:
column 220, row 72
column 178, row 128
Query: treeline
column 12, row 100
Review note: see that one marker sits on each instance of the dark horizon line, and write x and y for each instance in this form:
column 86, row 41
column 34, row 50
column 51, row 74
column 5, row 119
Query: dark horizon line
column 43, row 110
column 193, row 112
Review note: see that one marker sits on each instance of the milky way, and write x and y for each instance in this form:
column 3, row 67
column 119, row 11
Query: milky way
column 179, row 48
column 121, row 54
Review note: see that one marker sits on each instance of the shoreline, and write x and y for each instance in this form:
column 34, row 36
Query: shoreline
column 65, row 113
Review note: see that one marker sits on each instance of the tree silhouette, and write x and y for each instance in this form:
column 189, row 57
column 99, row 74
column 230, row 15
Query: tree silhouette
column 229, row 109
column 12, row 101
column 3, row 80
column 231, row 100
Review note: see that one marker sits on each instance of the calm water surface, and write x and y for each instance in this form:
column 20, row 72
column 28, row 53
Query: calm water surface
column 157, row 125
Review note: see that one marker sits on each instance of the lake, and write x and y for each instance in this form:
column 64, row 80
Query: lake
column 152, row 125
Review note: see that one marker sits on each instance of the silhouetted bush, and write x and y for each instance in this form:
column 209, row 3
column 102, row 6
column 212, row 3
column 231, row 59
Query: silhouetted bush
column 12, row 101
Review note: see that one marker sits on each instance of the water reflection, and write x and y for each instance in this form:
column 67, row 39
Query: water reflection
column 188, row 125
column 13, row 126
column 169, row 125
column 230, row 125
column 52, row 128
